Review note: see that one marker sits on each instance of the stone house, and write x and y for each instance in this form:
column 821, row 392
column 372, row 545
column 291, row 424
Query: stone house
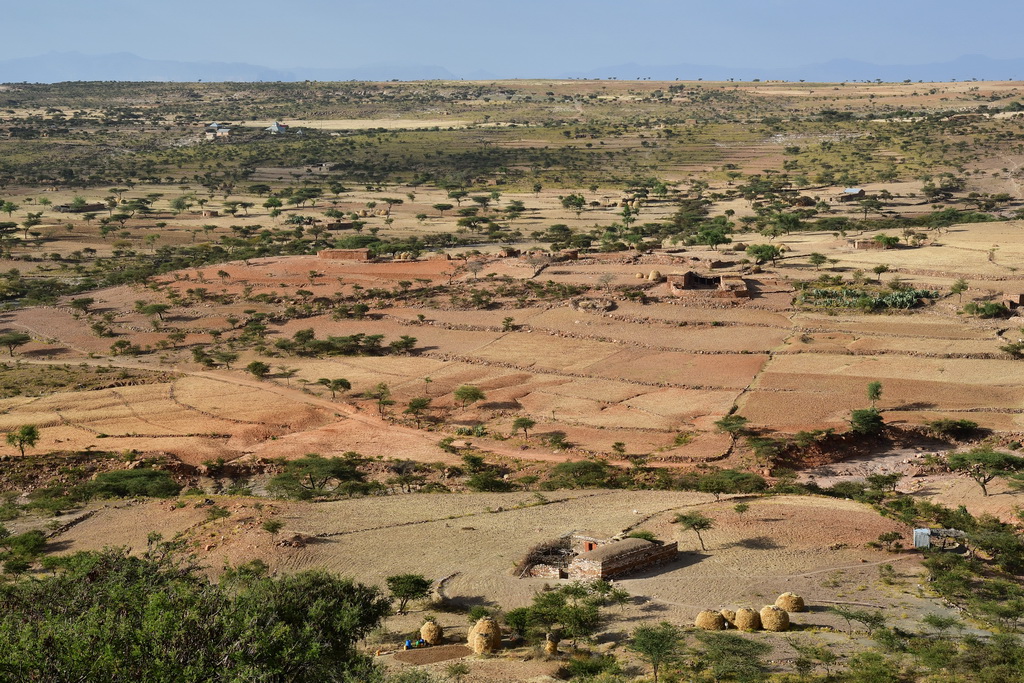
column 618, row 558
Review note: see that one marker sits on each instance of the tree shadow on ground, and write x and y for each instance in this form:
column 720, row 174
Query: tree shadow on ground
column 755, row 543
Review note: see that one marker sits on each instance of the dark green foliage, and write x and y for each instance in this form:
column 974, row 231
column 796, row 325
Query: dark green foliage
column 107, row 616
column 730, row 481
column 574, row 609
column 314, row 475
column 588, row 665
column 983, row 465
column 988, row 309
column 845, row 297
column 580, row 474
column 728, row 657
column 957, row 429
column 866, row 421
column 406, row 587
column 140, row 482
column 658, row 645
column 489, row 481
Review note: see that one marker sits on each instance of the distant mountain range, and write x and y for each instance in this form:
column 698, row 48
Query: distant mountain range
column 54, row 67
column 72, row 66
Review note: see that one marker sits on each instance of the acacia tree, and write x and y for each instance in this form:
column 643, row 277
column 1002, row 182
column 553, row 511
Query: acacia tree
column 695, row 522
column 416, row 407
column 13, row 340
column 335, row 385
column 25, row 436
column 659, row 645
column 984, row 464
column 874, row 392
column 959, row 287
column 467, row 393
column 574, row 202
column 406, row 587
column 523, row 423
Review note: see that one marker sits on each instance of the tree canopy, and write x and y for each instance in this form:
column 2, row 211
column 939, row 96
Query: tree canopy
column 114, row 617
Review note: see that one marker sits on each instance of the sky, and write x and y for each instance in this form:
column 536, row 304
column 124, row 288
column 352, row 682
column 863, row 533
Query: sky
column 519, row 38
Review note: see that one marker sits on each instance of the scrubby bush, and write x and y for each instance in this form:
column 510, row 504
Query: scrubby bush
column 141, row 482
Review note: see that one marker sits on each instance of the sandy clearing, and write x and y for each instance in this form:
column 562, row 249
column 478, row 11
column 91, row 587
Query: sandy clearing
column 781, row 544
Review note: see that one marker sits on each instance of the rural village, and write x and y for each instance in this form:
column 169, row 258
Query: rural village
column 577, row 380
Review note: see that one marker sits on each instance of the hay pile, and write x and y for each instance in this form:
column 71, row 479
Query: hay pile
column 747, row 620
column 729, row 616
column 774, row 618
column 791, row 602
column 710, row 621
column 485, row 636
column 432, row 633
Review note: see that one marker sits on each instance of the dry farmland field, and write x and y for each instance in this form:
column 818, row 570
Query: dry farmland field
column 501, row 313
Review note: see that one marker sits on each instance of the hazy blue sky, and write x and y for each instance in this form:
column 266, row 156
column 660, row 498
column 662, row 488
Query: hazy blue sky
column 518, row 37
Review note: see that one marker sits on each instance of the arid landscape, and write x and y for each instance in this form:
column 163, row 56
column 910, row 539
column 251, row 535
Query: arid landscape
column 506, row 313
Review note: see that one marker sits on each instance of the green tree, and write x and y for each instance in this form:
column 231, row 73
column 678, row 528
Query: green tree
column 959, row 287
column 762, row 253
column 733, row 658
column 406, row 587
column 695, row 522
column 314, row 475
column 154, row 309
column 874, row 392
column 658, row 645
column 335, row 385
column 258, row 369
column 13, row 340
column 525, row 424
column 82, row 304
column 574, row 202
column 984, row 464
column 382, row 395
column 733, row 425
column 879, row 269
column 468, row 393
column 817, row 260
column 24, row 436
column 416, row 407
column 866, row 421
column 159, row 618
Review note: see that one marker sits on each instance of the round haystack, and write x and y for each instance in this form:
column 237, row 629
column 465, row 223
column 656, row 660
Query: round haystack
column 774, row 618
column 639, row 276
column 791, row 602
column 747, row 620
column 432, row 633
column 710, row 621
column 485, row 636
column 729, row 616
column 655, row 276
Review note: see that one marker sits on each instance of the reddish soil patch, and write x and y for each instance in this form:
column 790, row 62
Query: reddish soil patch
column 432, row 655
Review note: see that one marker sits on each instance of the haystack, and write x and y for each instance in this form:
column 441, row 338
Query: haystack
column 791, row 602
column 774, row 618
column 655, row 276
column 729, row 616
column 710, row 621
column 485, row 636
column 747, row 620
column 432, row 633
column 550, row 644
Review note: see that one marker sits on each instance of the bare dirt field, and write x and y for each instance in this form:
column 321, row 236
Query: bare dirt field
column 812, row 546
